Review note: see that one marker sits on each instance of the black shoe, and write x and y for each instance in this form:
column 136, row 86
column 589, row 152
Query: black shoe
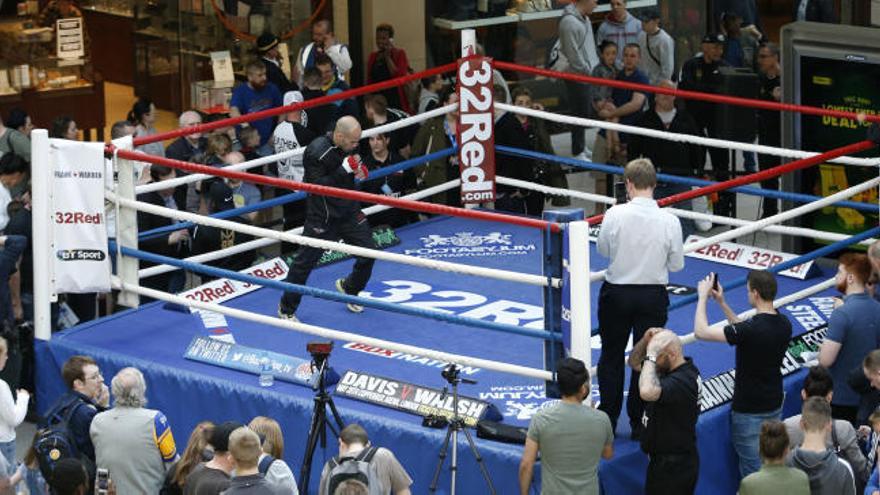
column 286, row 314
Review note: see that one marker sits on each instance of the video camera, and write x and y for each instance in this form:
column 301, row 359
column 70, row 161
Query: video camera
column 451, row 374
column 319, row 348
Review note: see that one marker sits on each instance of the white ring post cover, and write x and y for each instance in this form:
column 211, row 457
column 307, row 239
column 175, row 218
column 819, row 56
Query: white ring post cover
column 126, row 224
column 41, row 202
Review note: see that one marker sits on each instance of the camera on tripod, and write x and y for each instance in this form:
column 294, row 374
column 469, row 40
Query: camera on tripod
column 450, row 373
column 319, row 350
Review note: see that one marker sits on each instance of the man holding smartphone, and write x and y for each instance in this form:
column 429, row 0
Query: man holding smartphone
column 761, row 342
column 643, row 244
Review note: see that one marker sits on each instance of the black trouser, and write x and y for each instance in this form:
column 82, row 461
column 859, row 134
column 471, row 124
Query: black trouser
column 721, row 171
column 579, row 103
column 355, row 231
column 294, row 216
column 624, row 309
column 672, row 474
column 771, row 205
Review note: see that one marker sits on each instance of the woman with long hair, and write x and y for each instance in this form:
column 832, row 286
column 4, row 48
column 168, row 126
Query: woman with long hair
column 271, row 464
column 198, row 450
column 143, row 117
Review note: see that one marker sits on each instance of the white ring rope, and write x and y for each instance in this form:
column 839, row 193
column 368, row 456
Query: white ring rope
column 328, row 333
column 261, row 243
column 508, row 276
column 384, row 128
column 682, row 138
column 693, row 215
column 690, row 338
column 764, row 222
column 555, row 191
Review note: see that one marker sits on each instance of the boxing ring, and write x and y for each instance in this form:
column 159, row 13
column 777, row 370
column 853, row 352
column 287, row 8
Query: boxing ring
column 470, row 286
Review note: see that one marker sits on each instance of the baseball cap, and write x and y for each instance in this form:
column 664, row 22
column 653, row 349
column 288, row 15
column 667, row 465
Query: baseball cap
column 649, row 14
column 266, row 42
column 220, row 197
column 220, row 435
column 716, row 38
column 292, row 97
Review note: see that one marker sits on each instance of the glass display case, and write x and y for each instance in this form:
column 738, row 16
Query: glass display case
column 49, row 77
column 29, row 60
column 172, row 54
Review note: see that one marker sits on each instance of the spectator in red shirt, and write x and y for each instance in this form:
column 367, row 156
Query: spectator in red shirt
column 387, row 63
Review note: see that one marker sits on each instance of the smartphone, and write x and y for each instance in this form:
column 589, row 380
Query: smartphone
column 620, row 192
column 102, row 481
column 714, row 281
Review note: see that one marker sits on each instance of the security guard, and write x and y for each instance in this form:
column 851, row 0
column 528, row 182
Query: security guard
column 702, row 73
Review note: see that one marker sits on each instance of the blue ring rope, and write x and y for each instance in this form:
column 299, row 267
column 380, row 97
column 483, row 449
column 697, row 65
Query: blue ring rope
column 288, row 198
column 675, row 179
column 339, row 297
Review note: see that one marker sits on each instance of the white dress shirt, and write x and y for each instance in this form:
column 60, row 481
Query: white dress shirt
column 643, row 243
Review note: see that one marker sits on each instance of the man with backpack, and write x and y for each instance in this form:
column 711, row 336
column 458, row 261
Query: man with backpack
column 244, row 445
column 65, row 431
column 842, row 437
column 362, row 464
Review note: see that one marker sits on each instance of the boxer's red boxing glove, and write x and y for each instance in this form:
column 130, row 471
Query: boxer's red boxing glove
column 353, row 165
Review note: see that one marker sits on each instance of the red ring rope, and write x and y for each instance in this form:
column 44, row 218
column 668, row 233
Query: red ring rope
column 342, row 193
column 370, row 88
column 757, row 176
column 693, row 95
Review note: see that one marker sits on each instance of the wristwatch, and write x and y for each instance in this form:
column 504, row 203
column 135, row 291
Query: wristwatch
column 651, row 358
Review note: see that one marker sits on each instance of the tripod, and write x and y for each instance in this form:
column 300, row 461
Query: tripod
column 456, row 424
column 319, row 424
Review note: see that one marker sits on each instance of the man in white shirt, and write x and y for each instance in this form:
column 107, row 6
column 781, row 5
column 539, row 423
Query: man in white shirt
column 643, row 244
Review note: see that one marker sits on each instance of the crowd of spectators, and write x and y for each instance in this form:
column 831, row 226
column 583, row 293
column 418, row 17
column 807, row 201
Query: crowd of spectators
column 830, row 448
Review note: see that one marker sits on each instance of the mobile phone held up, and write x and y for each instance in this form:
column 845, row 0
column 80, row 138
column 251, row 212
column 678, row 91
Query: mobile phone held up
column 102, row 481
column 620, row 192
column 714, row 281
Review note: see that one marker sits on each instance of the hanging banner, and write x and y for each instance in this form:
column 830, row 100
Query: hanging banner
column 476, row 130
column 81, row 263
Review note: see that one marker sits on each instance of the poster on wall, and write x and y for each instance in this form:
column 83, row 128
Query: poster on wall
column 847, row 84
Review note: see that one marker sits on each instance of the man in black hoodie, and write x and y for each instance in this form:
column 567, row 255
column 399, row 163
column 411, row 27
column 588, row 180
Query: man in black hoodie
column 829, row 475
column 669, row 157
column 328, row 161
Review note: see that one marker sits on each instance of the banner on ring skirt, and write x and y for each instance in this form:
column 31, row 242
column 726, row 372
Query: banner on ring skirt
column 757, row 258
column 413, row 399
column 79, row 224
column 249, row 359
column 476, row 130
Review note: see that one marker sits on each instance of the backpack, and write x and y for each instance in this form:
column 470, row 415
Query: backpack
column 556, row 60
column 55, row 441
column 356, row 468
column 265, row 464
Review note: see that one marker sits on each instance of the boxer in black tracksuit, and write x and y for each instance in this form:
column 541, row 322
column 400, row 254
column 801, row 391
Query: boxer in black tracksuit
column 328, row 161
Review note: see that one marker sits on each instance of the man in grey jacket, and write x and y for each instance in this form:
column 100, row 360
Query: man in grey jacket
column 657, row 47
column 578, row 45
column 829, row 475
column 842, row 437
